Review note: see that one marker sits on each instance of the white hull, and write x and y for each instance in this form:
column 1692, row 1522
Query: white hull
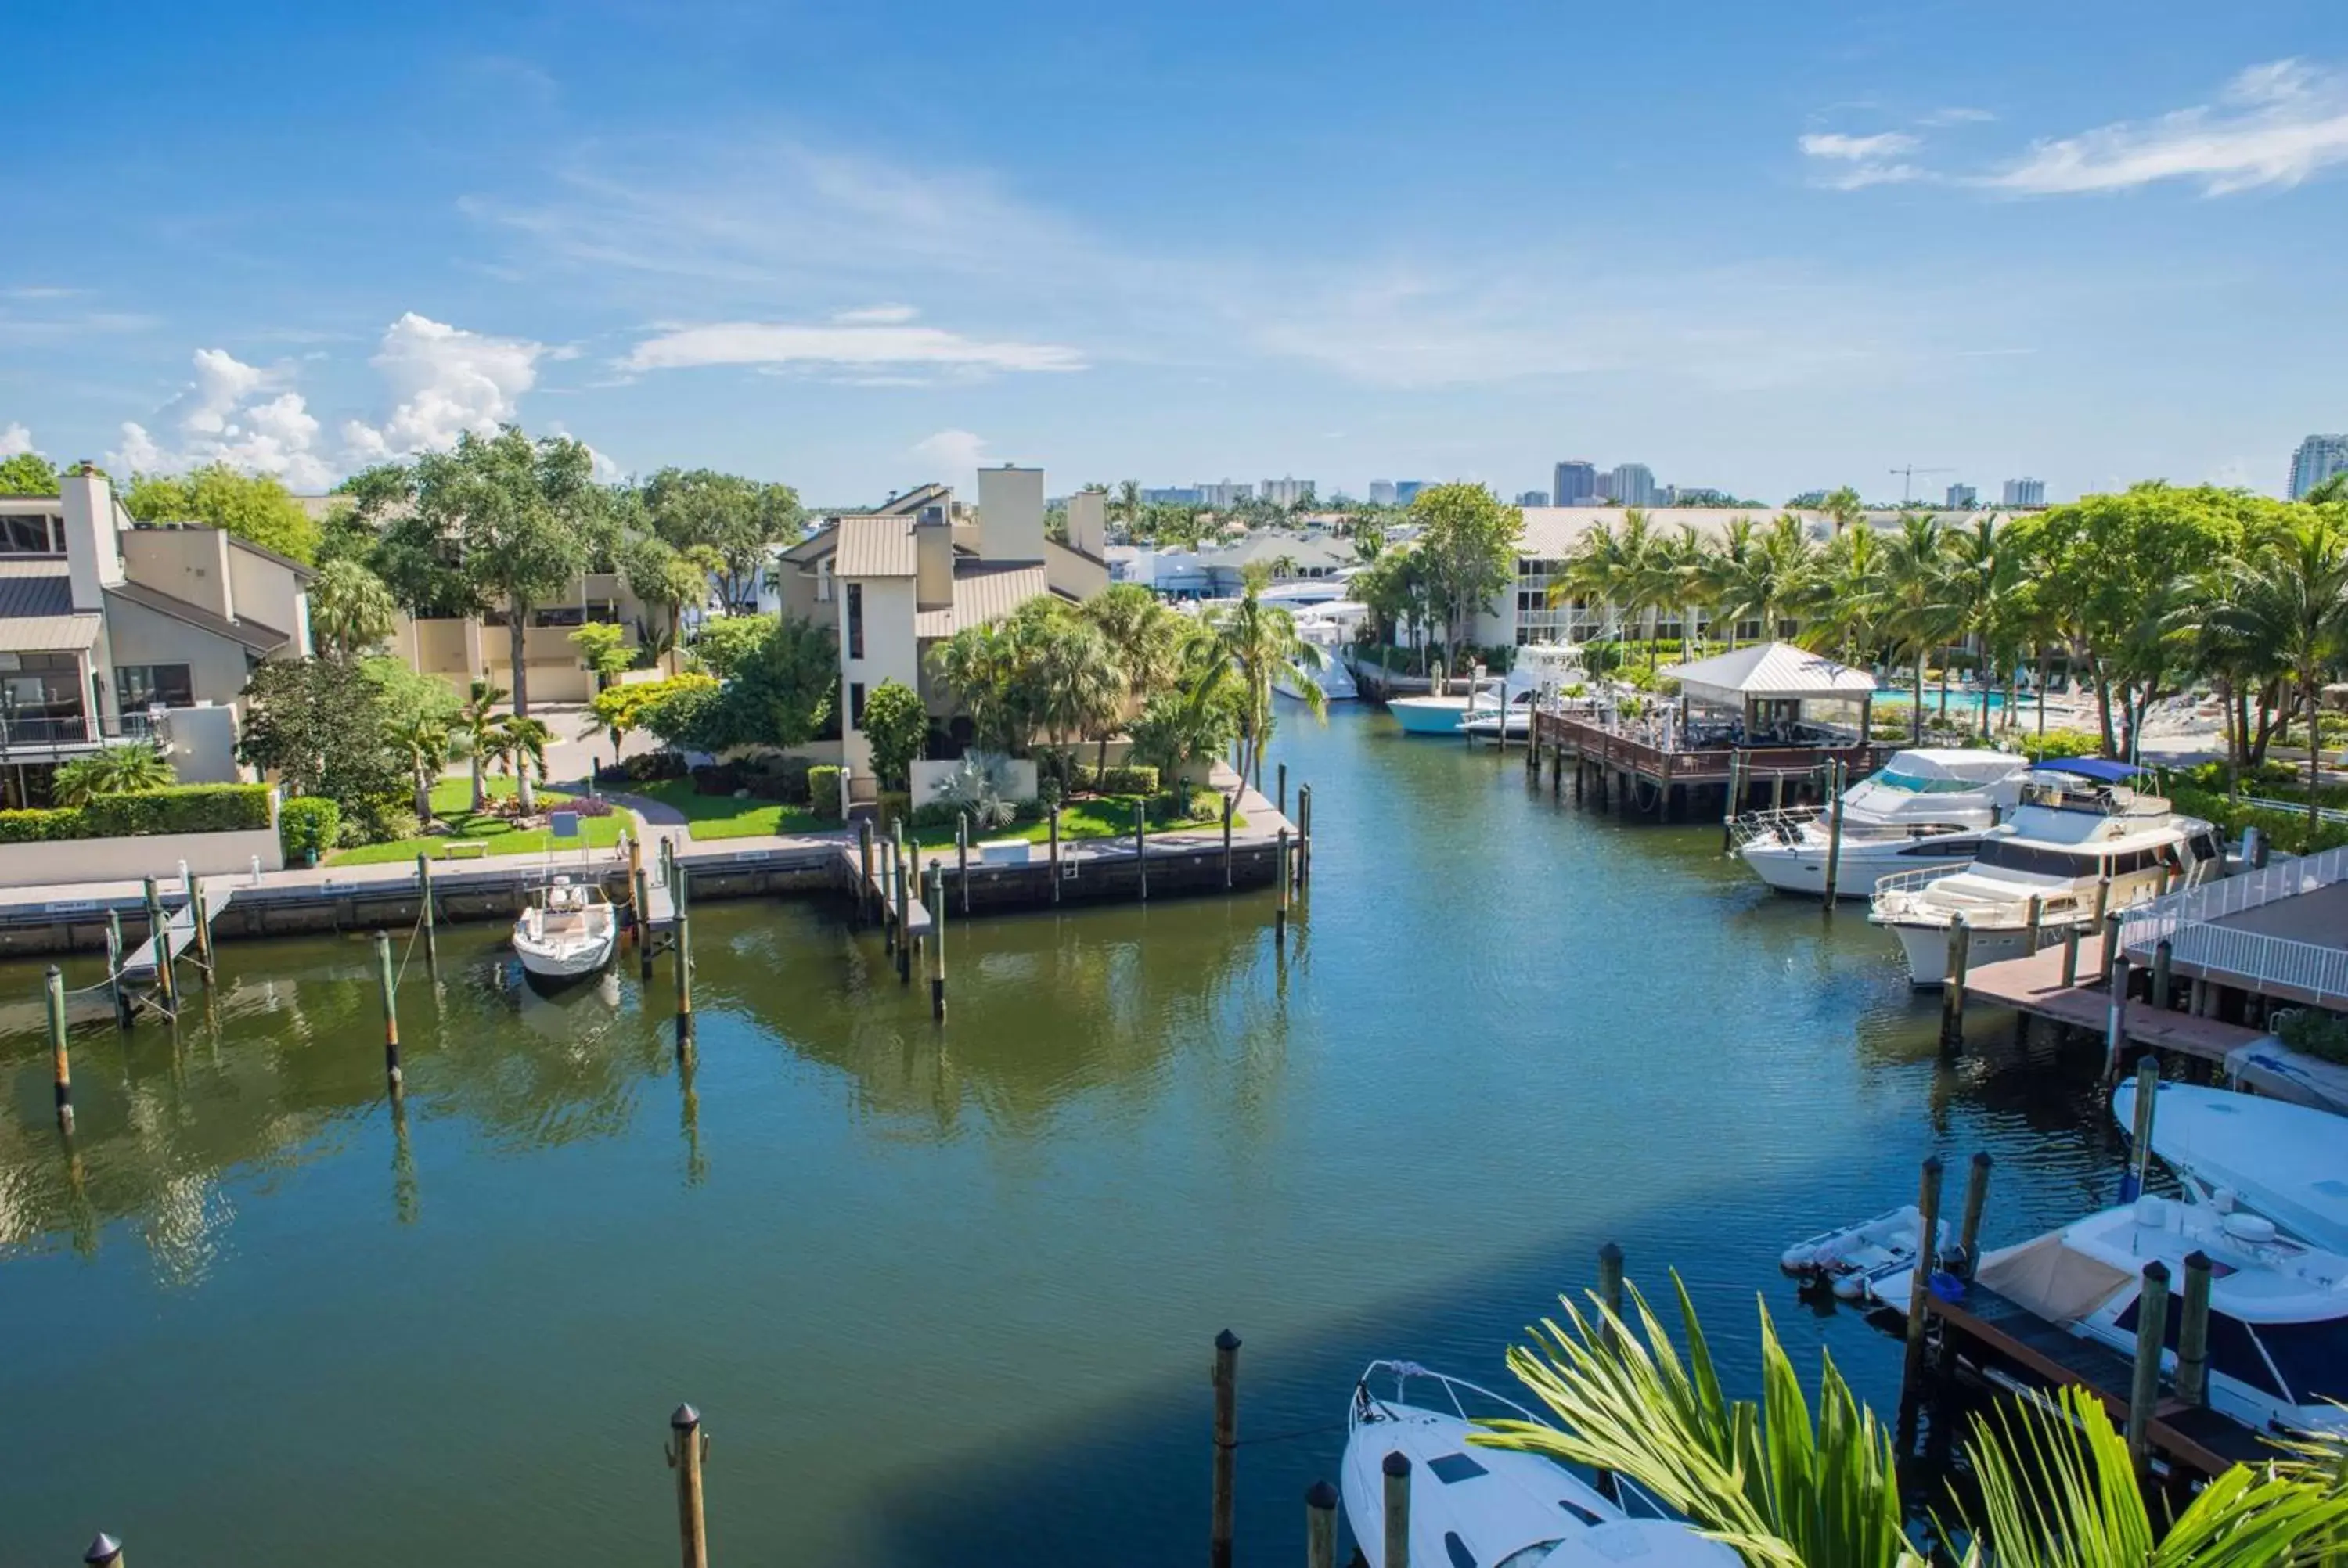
column 1927, row 947
column 571, row 961
column 1336, row 684
column 1801, row 867
column 1428, row 715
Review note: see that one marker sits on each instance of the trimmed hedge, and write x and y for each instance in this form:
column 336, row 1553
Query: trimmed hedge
column 184, row 809
column 823, row 792
column 1131, row 779
column 308, row 823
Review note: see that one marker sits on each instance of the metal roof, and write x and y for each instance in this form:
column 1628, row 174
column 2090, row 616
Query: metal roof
column 1770, row 672
column 250, row 634
column 981, row 594
column 875, row 546
column 36, row 612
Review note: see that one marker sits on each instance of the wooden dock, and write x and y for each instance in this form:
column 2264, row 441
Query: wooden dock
column 1991, row 1329
column 179, row 933
column 1633, row 765
column 2033, row 984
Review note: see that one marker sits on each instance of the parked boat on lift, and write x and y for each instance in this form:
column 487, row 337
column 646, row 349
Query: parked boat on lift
column 567, row 931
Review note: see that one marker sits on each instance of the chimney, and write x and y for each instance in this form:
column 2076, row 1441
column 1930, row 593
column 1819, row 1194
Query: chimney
column 93, row 551
column 1088, row 524
column 933, row 559
column 1011, row 514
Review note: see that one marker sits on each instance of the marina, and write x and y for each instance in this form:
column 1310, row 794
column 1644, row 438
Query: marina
column 833, row 1175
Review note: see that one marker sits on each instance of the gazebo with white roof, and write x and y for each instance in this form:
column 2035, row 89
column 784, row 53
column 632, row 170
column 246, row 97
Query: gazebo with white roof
column 1770, row 683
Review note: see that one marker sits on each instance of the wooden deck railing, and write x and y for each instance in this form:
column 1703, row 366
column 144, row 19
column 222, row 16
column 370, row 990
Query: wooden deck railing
column 1615, row 749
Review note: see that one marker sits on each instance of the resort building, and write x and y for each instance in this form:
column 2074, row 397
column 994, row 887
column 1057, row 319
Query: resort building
column 1287, row 492
column 113, row 630
column 462, row 650
column 2317, row 459
column 898, row 580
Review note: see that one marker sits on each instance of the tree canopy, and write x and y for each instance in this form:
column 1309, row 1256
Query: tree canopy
column 27, row 474
column 1468, row 537
column 253, row 506
column 733, row 517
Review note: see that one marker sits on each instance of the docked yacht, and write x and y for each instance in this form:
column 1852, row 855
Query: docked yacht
column 567, row 932
column 1924, row 809
column 2080, row 820
column 1486, row 1507
column 2278, row 1307
column 2288, row 1162
column 1328, row 627
column 1540, row 672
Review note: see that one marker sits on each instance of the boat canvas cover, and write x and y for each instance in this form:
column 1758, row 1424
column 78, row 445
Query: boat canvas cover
column 2101, row 768
column 2272, row 1068
column 2056, row 1283
column 1951, row 763
column 2287, row 1162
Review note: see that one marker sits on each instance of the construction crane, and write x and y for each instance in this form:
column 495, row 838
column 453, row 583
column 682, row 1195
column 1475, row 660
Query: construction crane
column 1908, row 479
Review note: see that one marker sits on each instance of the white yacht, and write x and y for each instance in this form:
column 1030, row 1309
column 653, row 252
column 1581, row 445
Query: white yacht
column 1540, row 672
column 1473, row 1507
column 567, row 932
column 2278, row 1307
column 2080, row 820
column 2286, row 1162
column 1328, row 626
column 1924, row 809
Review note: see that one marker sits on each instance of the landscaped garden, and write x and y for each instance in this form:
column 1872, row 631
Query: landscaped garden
column 1086, row 816
column 729, row 815
column 500, row 831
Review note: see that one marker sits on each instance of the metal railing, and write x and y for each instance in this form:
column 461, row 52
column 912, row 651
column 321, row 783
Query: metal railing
column 2261, row 962
column 2331, row 813
column 50, row 732
column 2164, row 916
column 2187, row 922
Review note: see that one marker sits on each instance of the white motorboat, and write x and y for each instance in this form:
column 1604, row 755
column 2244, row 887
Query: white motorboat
column 1922, row 810
column 1431, row 715
column 1540, row 672
column 1855, row 1257
column 2080, row 820
column 1328, row 627
column 568, row 931
column 1475, row 1507
column 2278, row 1307
column 2286, row 1162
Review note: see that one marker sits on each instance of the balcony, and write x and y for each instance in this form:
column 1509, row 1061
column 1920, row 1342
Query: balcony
column 26, row 737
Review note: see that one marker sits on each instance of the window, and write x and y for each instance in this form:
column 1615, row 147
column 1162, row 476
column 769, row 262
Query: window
column 2312, row 1356
column 39, row 535
column 2012, row 856
column 856, row 701
column 559, row 615
column 139, row 686
column 1940, row 850
column 856, row 628
column 1451, row 1469
column 40, row 697
column 2233, row 1352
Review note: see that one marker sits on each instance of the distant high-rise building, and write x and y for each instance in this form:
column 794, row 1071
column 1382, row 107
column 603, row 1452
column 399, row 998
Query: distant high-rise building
column 2318, row 459
column 1286, row 492
column 1576, row 483
column 1172, row 495
column 1533, row 499
column 1229, row 494
column 1632, row 484
column 1961, row 497
column 1382, row 493
column 1406, row 491
column 2025, row 492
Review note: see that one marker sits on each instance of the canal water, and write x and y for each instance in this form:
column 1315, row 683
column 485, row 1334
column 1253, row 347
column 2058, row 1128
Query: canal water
column 947, row 1295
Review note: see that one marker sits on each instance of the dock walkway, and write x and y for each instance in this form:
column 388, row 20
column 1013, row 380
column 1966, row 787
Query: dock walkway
column 179, row 933
column 2033, row 984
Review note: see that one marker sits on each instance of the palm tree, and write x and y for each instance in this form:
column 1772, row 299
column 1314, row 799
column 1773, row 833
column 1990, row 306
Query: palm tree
column 522, row 745
column 1765, row 581
column 1070, row 676
column 1844, row 599
column 976, row 665
column 2057, row 1487
column 350, row 608
column 430, row 744
column 1845, row 509
column 115, row 770
column 1260, row 642
column 2290, row 605
column 476, row 722
column 1144, row 635
column 1919, row 614
column 1193, row 717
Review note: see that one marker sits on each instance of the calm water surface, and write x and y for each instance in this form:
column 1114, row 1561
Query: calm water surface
column 946, row 1297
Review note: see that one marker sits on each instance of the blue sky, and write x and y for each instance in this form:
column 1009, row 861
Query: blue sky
column 854, row 248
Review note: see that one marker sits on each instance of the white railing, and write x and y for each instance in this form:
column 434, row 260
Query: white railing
column 1783, row 826
column 2332, row 814
column 2264, row 963
column 2187, row 921
column 2149, row 923
column 1912, row 881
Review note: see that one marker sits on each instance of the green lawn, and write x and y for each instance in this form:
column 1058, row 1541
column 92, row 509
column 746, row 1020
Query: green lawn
column 450, row 797
column 723, row 816
column 1093, row 816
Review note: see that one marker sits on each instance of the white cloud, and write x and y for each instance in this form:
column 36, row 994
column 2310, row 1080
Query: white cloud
column 850, row 348
column 877, row 316
column 234, row 413
column 955, row 454
column 1957, row 114
column 1858, row 148
column 445, row 381
column 15, row 440
column 2275, row 124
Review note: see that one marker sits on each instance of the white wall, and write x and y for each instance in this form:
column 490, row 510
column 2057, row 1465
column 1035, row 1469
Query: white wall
column 129, row 859
column 891, row 652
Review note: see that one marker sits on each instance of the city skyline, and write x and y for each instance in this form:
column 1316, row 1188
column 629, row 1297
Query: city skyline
column 600, row 222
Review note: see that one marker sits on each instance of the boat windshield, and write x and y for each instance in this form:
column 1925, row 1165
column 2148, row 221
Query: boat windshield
column 1897, row 778
column 2037, row 859
column 2312, row 1356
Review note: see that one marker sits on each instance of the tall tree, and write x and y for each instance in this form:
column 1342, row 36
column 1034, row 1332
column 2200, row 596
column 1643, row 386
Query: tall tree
column 1844, row 508
column 27, row 474
column 2291, row 604
column 1469, row 539
column 734, row 518
column 254, row 506
column 477, row 721
column 350, row 610
column 1262, row 644
column 519, row 510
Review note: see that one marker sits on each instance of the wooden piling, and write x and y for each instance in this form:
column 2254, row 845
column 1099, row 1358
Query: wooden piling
column 114, row 953
column 428, row 913
column 1610, row 1289
column 881, row 896
column 2148, row 1099
column 961, row 857
column 639, row 905
column 105, row 1552
column 394, row 1079
column 1321, row 1525
column 1396, row 1467
column 1226, row 1377
column 2034, row 921
column 904, row 923
column 937, row 940
column 2070, row 955
column 688, row 1448
column 1227, row 839
column 1920, row 1285
column 1283, row 802
column 165, row 982
column 1728, row 804
column 1280, row 912
column 2151, row 1334
column 1834, row 834
column 2115, row 1017
column 2102, row 910
column 2163, row 954
column 1952, row 989
column 1056, row 854
column 683, row 957
column 864, row 861
column 1141, row 847
column 61, row 1066
column 1303, row 836
column 1976, row 1200
column 2193, row 1332
column 204, row 926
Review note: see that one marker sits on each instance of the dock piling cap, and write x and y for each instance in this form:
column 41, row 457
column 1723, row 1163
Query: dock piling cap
column 1396, row 1462
column 1320, row 1495
column 686, row 1417
column 1227, row 1340
column 104, row 1549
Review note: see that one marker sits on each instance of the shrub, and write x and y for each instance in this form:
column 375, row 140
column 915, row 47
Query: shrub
column 2314, row 1031
column 308, row 824
column 191, row 808
column 894, row 804
column 653, row 767
column 937, row 814
column 1132, row 779
column 585, row 805
column 823, row 791
column 778, row 778
column 2062, row 744
column 40, row 825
